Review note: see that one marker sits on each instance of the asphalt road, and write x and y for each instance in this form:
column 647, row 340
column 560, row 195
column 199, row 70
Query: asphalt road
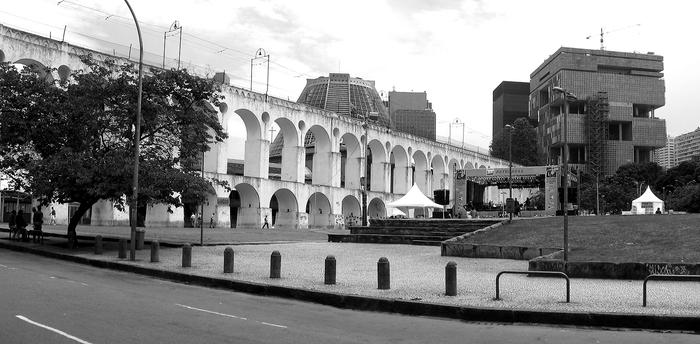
column 50, row 301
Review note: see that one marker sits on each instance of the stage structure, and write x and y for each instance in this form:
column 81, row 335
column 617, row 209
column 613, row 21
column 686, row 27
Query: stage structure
column 470, row 186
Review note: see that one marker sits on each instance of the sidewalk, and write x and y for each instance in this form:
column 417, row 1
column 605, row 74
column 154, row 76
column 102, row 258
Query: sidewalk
column 417, row 281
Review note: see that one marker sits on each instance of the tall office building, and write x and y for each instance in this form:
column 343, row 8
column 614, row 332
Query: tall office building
column 688, row 146
column 666, row 155
column 411, row 112
column 612, row 97
column 510, row 102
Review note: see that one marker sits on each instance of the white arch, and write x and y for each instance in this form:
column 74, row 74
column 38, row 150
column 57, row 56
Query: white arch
column 402, row 173
column 353, row 168
column 437, row 167
column 292, row 153
column 249, row 212
column 378, row 168
column 287, row 209
column 351, row 210
column 322, row 172
column 253, row 146
column 319, row 209
column 421, row 171
column 376, row 209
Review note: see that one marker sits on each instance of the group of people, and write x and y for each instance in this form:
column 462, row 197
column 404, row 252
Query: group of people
column 196, row 220
column 18, row 225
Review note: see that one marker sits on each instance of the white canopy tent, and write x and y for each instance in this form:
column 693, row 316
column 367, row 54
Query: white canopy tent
column 414, row 198
column 391, row 211
column 647, row 203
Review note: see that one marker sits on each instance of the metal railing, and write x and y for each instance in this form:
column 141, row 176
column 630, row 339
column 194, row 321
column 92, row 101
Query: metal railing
column 659, row 277
column 536, row 273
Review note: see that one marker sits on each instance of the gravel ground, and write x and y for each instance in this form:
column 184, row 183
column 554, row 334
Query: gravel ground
column 417, row 273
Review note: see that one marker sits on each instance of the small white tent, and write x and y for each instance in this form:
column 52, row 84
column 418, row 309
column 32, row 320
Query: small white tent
column 647, row 203
column 414, row 198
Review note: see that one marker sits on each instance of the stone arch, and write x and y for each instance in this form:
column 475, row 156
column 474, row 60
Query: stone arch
column 482, row 166
column 319, row 209
column 285, row 210
column 401, row 172
column 352, row 211
column 376, row 209
column 350, row 161
column 439, row 175
column 245, row 212
column 253, row 165
column 321, row 164
column 39, row 68
column 376, row 160
column 421, row 171
column 452, row 166
column 285, row 152
column 468, row 166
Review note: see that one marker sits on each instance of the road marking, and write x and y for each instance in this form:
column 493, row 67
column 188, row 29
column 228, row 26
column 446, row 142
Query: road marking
column 275, row 325
column 52, row 329
column 211, row 312
column 4, row 266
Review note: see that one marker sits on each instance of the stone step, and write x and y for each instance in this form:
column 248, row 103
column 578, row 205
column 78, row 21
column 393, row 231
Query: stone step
column 426, row 242
column 385, row 239
column 410, row 231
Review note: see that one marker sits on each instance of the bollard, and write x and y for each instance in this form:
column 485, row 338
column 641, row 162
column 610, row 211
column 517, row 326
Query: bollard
column 122, row 248
column 383, row 274
column 228, row 260
column 329, row 273
column 451, row 279
column 140, row 235
column 98, row 244
column 186, row 255
column 155, row 251
column 275, row 264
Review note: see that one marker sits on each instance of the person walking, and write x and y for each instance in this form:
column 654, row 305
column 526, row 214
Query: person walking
column 193, row 218
column 266, row 224
column 53, row 217
column 13, row 225
column 211, row 220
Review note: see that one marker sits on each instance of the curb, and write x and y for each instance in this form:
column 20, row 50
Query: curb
column 364, row 303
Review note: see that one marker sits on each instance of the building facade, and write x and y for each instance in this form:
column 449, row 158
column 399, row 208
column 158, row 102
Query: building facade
column 412, row 113
column 510, row 102
column 666, row 155
column 612, row 97
column 688, row 146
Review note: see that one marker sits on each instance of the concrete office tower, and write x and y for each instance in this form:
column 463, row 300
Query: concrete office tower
column 611, row 121
column 510, row 102
column 666, row 155
column 412, row 113
column 345, row 96
column 688, row 146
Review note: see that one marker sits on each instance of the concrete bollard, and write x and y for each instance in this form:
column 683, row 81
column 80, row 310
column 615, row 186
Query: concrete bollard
column 155, row 251
column 275, row 264
column 186, row 255
column 329, row 272
column 122, row 248
column 383, row 274
column 140, row 235
column 451, row 279
column 98, row 244
column 228, row 260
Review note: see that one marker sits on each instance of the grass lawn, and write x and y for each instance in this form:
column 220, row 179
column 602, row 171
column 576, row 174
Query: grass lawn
column 643, row 238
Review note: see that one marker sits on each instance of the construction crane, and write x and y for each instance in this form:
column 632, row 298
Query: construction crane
column 603, row 33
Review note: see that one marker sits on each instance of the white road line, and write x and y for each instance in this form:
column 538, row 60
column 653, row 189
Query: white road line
column 275, row 325
column 52, row 329
column 211, row 312
column 4, row 266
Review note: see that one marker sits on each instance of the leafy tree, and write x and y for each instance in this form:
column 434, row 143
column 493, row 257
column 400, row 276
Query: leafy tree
column 73, row 141
column 524, row 144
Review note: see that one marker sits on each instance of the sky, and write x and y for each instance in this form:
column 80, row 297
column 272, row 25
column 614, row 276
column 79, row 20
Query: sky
column 456, row 51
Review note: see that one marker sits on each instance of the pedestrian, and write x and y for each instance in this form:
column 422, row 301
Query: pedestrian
column 21, row 224
column 211, row 220
column 266, row 224
column 53, row 217
column 13, row 225
column 38, row 221
column 193, row 218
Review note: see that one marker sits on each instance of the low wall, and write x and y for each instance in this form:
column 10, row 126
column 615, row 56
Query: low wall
column 611, row 270
column 467, row 250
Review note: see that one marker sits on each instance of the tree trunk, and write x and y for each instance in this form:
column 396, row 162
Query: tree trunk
column 72, row 235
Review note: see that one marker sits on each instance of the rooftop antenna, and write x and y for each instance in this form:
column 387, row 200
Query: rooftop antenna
column 603, row 33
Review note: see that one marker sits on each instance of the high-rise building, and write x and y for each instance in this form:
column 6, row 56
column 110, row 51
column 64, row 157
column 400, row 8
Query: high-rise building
column 666, row 155
column 612, row 97
column 411, row 112
column 688, row 146
column 345, row 96
column 510, row 102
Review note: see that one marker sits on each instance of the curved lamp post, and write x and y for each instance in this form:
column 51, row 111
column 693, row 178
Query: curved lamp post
column 137, row 139
column 565, row 174
column 510, row 170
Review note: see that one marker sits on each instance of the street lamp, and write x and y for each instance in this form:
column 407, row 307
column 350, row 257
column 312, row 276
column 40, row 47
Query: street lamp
column 364, row 174
column 510, row 171
column 565, row 174
column 137, row 142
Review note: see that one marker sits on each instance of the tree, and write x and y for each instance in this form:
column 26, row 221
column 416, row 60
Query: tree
column 73, row 141
column 524, row 144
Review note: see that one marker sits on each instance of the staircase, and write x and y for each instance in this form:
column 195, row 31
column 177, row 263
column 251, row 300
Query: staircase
column 430, row 232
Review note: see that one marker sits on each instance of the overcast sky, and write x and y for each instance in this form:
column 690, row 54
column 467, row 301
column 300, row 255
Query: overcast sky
column 456, row 51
